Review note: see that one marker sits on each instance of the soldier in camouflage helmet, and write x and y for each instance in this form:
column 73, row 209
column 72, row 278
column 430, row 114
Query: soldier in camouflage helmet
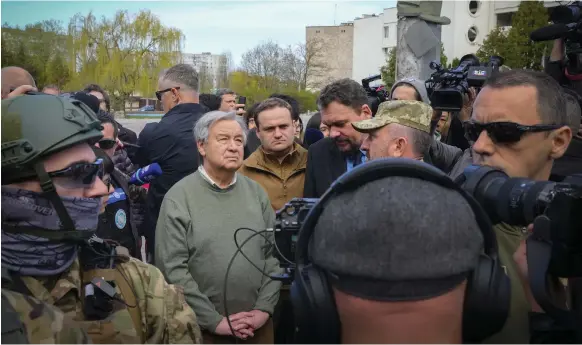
column 399, row 129
column 51, row 198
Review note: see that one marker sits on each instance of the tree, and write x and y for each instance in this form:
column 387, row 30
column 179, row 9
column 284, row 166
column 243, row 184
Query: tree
column 444, row 58
column 265, row 61
column 312, row 58
column 123, row 54
column 515, row 46
column 388, row 71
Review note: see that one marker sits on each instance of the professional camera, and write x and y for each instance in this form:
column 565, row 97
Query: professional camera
column 287, row 225
column 519, row 201
column 446, row 87
column 376, row 94
column 568, row 26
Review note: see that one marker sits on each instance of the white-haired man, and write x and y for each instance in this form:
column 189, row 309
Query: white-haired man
column 198, row 219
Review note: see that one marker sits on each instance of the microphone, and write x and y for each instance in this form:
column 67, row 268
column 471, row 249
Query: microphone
column 145, row 174
column 550, row 32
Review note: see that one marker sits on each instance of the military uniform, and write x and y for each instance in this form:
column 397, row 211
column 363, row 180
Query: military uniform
column 163, row 315
column 41, row 323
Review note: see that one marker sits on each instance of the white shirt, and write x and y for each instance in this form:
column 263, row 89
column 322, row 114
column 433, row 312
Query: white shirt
column 209, row 180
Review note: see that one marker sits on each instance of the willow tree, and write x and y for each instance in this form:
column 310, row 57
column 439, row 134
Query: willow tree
column 123, row 54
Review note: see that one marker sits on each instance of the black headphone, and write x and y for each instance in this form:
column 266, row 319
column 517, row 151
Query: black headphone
column 487, row 296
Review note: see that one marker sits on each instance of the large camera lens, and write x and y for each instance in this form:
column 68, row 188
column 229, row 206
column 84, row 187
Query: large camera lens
column 515, row 201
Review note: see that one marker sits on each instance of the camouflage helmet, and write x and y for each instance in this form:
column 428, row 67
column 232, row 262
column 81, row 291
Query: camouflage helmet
column 37, row 126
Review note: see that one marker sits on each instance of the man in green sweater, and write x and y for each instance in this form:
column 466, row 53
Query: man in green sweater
column 195, row 237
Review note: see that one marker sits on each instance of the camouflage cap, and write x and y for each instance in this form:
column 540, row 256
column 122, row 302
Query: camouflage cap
column 412, row 114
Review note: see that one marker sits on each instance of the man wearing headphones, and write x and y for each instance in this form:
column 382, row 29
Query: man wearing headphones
column 416, row 265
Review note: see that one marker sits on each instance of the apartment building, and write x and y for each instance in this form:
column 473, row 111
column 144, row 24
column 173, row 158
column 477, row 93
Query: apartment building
column 212, row 68
column 337, row 44
column 471, row 21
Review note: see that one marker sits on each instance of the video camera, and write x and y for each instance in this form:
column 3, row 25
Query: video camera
column 568, row 26
column 519, row 201
column 376, row 94
column 446, row 87
column 287, row 225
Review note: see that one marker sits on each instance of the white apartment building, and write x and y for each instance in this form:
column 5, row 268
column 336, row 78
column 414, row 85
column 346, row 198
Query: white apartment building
column 210, row 67
column 471, row 21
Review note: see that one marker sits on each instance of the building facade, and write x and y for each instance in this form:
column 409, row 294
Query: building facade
column 374, row 35
column 336, row 57
column 212, row 69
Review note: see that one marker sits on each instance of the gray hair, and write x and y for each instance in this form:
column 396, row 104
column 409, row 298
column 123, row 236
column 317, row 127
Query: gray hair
column 222, row 92
column 202, row 126
column 572, row 111
column 182, row 75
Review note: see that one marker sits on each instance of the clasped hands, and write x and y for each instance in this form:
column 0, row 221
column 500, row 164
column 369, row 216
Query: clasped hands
column 244, row 324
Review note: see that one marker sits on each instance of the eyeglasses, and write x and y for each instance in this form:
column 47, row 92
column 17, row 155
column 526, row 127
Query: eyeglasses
column 107, row 144
column 159, row 93
column 79, row 175
column 503, row 132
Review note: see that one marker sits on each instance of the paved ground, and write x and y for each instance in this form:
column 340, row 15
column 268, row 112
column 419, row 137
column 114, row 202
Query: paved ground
column 137, row 125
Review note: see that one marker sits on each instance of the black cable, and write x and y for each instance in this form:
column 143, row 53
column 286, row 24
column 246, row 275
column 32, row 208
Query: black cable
column 238, row 250
column 273, row 243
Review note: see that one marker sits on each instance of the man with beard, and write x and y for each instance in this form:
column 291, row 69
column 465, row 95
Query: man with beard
column 340, row 103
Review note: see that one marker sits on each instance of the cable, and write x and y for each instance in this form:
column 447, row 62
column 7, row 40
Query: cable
column 238, row 250
column 273, row 243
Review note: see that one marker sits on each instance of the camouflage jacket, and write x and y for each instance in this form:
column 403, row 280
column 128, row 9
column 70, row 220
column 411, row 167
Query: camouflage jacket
column 165, row 317
column 43, row 323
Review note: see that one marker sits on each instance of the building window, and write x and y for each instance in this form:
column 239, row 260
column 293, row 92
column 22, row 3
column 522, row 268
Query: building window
column 316, row 31
column 474, row 6
column 386, row 32
column 472, row 34
column 343, row 30
column 385, row 50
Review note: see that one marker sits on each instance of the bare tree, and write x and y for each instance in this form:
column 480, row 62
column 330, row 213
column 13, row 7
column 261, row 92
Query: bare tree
column 264, row 60
column 313, row 60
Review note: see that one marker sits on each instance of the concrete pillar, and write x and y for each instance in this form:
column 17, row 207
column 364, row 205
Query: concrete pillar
column 408, row 65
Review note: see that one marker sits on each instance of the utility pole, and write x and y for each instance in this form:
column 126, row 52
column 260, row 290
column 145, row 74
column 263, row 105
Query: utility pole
column 334, row 14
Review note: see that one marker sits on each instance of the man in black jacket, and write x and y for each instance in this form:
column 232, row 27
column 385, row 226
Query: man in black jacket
column 340, row 103
column 170, row 142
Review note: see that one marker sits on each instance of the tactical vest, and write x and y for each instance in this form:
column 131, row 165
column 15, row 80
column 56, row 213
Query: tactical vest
column 115, row 223
column 13, row 331
column 123, row 325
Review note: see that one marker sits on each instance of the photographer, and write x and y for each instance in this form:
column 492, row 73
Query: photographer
column 556, row 67
column 358, row 283
column 518, row 125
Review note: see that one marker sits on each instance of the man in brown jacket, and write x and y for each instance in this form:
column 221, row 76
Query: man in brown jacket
column 278, row 165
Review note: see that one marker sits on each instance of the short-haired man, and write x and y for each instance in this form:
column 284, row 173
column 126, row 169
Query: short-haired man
column 398, row 259
column 518, row 125
column 227, row 100
column 400, row 129
column 278, row 165
column 169, row 142
column 15, row 77
column 102, row 96
column 340, row 103
column 51, row 89
column 198, row 219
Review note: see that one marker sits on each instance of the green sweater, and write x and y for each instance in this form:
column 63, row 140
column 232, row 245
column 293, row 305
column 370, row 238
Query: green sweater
column 195, row 242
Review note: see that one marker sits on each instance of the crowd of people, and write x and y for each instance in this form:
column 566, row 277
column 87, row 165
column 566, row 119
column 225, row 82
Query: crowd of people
column 101, row 258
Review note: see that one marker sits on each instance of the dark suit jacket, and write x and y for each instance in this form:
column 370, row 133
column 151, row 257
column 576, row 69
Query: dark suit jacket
column 170, row 143
column 325, row 164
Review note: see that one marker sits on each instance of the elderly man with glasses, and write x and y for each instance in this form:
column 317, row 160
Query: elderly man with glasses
column 201, row 218
column 169, row 142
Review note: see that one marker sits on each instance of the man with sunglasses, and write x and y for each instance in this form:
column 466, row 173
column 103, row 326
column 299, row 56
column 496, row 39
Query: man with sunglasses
column 51, row 197
column 518, row 125
column 169, row 142
column 125, row 206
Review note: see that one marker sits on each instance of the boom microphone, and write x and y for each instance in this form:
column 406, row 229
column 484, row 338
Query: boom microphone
column 145, row 174
column 550, row 32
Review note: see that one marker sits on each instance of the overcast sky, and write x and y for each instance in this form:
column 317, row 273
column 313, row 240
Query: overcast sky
column 210, row 26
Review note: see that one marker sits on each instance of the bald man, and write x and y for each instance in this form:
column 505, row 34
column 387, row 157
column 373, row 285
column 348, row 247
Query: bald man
column 16, row 78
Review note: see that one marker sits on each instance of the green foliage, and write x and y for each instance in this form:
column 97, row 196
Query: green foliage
column 39, row 48
column 444, row 58
column 388, row 71
column 514, row 45
column 256, row 90
column 456, row 61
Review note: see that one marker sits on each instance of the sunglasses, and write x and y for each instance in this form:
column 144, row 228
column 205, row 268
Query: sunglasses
column 107, row 144
column 161, row 92
column 79, row 175
column 503, row 132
